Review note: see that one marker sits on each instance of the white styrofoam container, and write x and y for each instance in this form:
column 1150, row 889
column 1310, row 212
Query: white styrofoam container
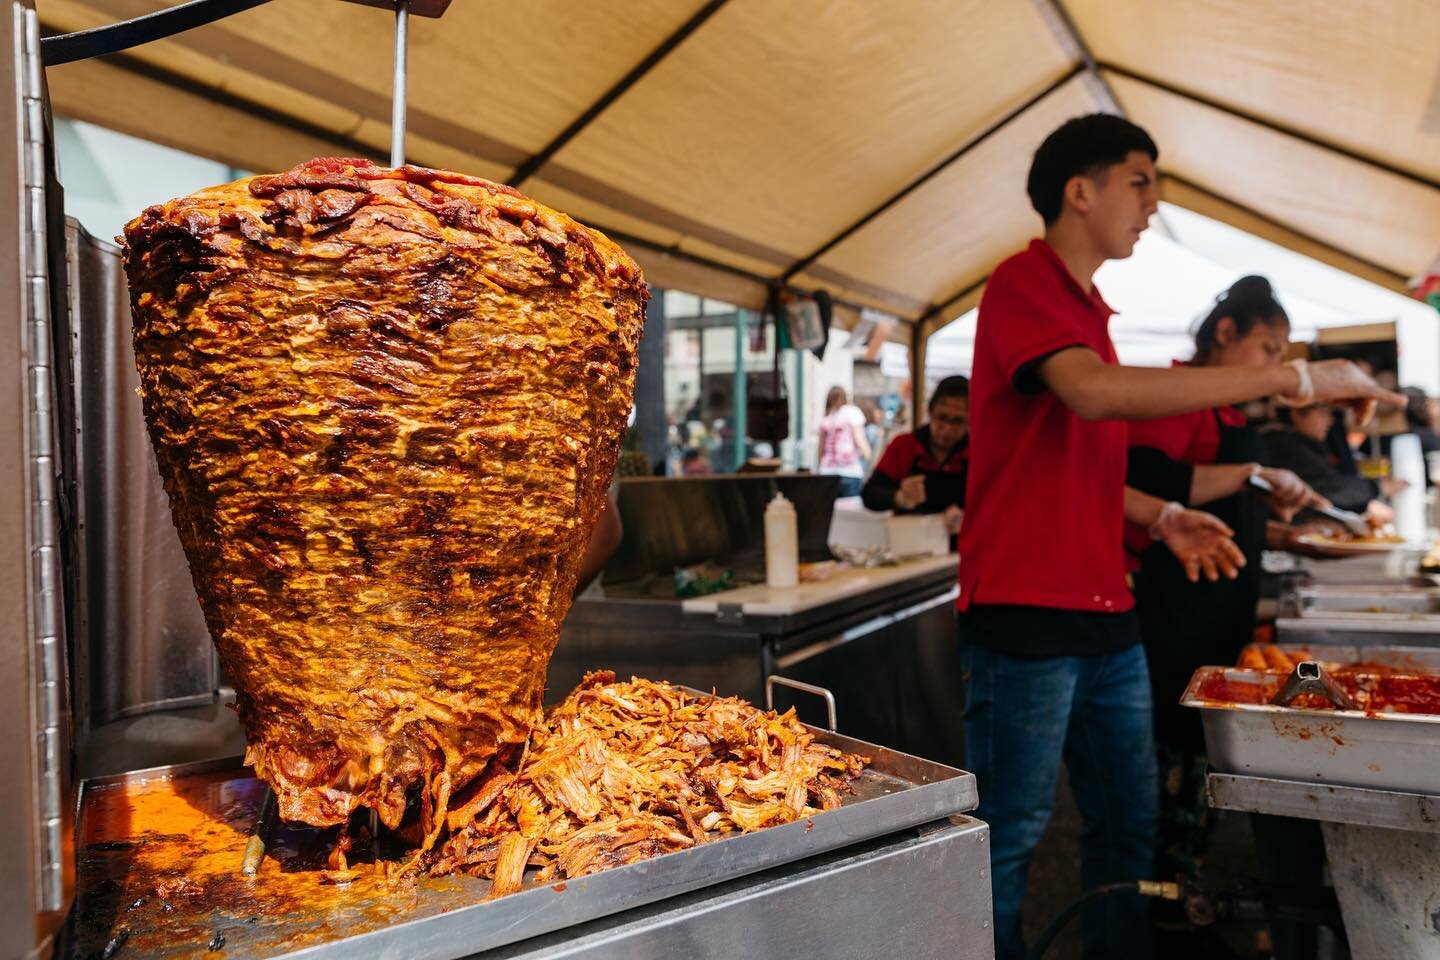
column 901, row 535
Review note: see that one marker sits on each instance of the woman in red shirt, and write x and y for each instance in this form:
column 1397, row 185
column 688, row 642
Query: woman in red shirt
column 1205, row 460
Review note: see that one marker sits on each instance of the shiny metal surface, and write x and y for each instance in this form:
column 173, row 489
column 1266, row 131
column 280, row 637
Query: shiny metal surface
column 1322, row 600
column 1390, row 751
column 451, row 917
column 1402, row 563
column 47, row 617
column 924, row 896
column 1368, row 629
column 1308, row 800
column 141, row 641
column 1382, row 848
column 774, row 680
column 1408, row 659
column 35, row 848
column 680, row 521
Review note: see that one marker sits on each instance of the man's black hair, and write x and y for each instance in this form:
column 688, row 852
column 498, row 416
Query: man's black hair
column 1082, row 146
column 956, row 386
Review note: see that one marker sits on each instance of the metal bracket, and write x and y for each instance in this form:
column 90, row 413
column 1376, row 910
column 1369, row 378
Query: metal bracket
column 829, row 698
column 419, row 8
column 730, row 614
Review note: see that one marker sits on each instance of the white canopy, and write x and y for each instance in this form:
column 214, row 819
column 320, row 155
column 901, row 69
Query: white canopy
column 876, row 150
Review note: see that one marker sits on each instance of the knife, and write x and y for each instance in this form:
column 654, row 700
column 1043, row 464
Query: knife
column 1353, row 522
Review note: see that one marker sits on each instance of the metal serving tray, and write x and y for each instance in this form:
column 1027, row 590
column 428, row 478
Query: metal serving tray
column 284, row 912
column 1399, row 657
column 1419, row 630
column 1346, row 747
column 1369, row 600
column 1402, row 563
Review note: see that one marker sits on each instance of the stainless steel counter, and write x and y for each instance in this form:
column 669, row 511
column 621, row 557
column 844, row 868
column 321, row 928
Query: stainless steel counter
column 1384, row 852
column 898, row 865
column 922, row 896
column 1380, row 599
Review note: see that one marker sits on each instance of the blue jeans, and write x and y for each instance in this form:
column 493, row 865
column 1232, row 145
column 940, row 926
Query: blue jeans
column 1022, row 718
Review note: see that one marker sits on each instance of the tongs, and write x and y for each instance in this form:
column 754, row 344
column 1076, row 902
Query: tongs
column 1308, row 677
column 1353, row 522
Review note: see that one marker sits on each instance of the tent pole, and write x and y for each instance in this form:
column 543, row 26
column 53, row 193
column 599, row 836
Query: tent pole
column 738, row 424
column 930, row 174
column 1260, row 121
column 528, row 169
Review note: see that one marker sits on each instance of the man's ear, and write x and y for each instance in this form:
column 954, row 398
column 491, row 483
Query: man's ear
column 1080, row 193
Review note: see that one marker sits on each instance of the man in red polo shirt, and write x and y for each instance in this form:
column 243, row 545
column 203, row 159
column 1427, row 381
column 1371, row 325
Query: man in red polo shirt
column 1056, row 670
column 923, row 471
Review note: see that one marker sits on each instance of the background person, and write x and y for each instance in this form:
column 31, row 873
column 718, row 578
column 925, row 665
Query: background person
column 924, row 471
column 1205, row 459
column 1296, row 442
column 843, row 447
column 1056, row 670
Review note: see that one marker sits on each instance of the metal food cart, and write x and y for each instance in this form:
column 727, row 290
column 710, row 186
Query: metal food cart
column 1371, row 779
column 109, row 685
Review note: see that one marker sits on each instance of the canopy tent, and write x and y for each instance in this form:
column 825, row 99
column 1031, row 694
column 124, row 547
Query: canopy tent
column 877, row 151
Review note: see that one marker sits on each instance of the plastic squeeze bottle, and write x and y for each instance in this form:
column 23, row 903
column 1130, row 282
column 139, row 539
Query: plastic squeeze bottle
column 782, row 544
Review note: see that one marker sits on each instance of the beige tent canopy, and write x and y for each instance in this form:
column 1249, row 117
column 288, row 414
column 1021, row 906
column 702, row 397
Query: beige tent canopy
column 875, row 150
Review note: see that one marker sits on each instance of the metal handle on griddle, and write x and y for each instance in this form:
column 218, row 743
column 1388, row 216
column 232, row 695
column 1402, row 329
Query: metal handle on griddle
column 829, row 697
column 1308, row 677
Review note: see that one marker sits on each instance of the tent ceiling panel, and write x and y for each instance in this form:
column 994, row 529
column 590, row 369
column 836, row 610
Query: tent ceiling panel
column 201, row 70
column 1356, row 208
column 948, row 234
column 510, row 70
column 785, row 122
column 1207, row 204
column 775, row 127
column 120, row 99
column 1360, row 75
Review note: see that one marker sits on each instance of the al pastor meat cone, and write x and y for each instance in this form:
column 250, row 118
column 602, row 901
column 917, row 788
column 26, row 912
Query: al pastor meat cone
column 386, row 406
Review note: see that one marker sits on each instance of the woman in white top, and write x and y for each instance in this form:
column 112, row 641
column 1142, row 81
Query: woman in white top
column 843, row 448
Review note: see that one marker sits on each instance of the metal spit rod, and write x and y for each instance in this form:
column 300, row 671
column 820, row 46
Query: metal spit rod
column 255, row 847
column 397, row 90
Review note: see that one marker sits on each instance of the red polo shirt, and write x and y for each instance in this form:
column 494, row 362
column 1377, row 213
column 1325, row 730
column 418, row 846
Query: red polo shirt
column 909, row 454
column 1046, row 488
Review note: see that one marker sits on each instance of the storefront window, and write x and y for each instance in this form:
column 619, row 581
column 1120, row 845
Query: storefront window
column 721, row 381
column 110, row 177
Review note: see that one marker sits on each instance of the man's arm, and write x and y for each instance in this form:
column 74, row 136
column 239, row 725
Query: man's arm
column 1283, row 449
column 1096, row 390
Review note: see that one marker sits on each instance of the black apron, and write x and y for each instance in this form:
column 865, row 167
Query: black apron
column 1187, row 625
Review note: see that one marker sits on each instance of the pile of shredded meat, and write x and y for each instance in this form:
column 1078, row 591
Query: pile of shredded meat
column 624, row 771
